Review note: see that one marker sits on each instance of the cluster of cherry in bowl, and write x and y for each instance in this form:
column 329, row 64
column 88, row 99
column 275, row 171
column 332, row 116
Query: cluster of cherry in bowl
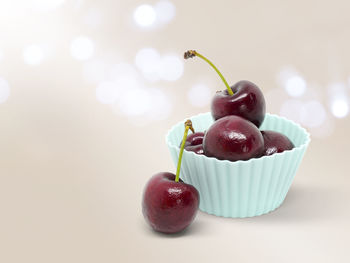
column 170, row 205
column 235, row 134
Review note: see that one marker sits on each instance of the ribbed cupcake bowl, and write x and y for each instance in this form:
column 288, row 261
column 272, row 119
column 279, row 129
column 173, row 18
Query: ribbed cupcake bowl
column 242, row 188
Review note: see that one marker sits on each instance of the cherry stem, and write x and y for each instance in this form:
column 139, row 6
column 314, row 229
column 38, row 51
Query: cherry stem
column 193, row 53
column 188, row 126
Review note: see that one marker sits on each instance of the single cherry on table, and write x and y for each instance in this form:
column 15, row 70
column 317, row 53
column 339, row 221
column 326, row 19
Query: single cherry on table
column 169, row 205
column 243, row 99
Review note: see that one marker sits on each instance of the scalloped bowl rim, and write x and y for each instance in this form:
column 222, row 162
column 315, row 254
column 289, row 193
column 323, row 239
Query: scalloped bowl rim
column 298, row 148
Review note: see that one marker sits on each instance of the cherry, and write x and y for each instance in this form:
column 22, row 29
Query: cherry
column 275, row 142
column 194, row 138
column 243, row 99
column 194, row 142
column 169, row 205
column 247, row 101
column 233, row 138
column 198, row 149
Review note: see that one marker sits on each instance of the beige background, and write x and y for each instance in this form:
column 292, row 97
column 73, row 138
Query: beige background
column 72, row 169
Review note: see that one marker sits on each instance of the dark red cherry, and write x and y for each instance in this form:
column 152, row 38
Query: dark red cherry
column 275, row 142
column 198, row 149
column 247, row 102
column 169, row 206
column 194, row 139
column 233, row 138
column 194, row 142
column 243, row 99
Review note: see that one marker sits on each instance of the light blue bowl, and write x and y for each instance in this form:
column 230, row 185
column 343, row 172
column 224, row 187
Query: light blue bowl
column 242, row 188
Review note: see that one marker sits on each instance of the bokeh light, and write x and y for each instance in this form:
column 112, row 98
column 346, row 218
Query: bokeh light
column 33, row 55
column 338, row 99
column 340, row 107
column 292, row 109
column 292, row 82
column 135, row 102
column 4, row 90
column 121, row 87
column 146, row 57
column 165, row 11
column 148, row 61
column 145, row 15
column 171, row 68
column 154, row 67
column 161, row 105
column 295, row 86
column 313, row 114
column 82, row 48
column 199, row 95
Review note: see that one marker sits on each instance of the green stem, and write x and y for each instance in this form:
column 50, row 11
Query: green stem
column 192, row 53
column 188, row 126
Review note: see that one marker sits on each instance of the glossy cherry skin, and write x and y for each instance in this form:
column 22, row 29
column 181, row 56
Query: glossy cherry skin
column 247, row 102
column 169, row 206
column 194, row 139
column 198, row 149
column 275, row 142
column 194, row 142
column 233, row 138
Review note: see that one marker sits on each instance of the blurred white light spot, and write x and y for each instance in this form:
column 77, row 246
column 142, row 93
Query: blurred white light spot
column 171, row 68
column 295, row 86
column 46, row 5
column 148, row 61
column 135, row 102
column 33, row 55
column 340, row 108
column 146, row 57
column 199, row 95
column 291, row 81
column 338, row 99
column 125, row 78
column 82, row 48
column 161, row 105
column 145, row 15
column 1, row 55
column 4, row 90
column 125, row 84
column 106, row 92
column 155, row 67
column 293, row 110
column 313, row 114
column 165, row 11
